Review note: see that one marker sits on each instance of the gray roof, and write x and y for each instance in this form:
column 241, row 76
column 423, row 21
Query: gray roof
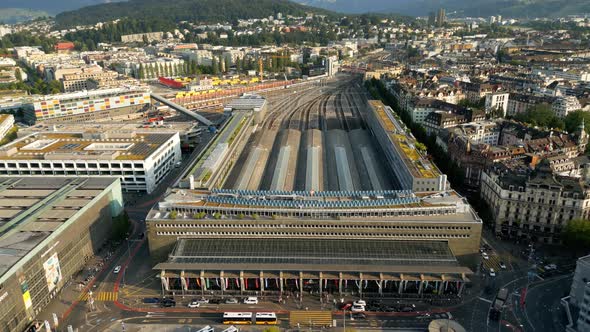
column 313, row 255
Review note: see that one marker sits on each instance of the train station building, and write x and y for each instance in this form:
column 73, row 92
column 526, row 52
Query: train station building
column 279, row 266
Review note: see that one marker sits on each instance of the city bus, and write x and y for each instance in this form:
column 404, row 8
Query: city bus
column 266, row 318
column 237, row 318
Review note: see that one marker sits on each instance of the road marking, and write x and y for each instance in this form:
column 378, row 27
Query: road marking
column 485, row 300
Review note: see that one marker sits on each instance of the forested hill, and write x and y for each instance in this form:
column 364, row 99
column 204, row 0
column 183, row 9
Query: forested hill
column 184, row 10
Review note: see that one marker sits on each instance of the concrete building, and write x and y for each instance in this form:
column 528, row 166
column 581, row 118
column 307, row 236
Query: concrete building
column 57, row 225
column 140, row 37
column 412, row 169
column 536, row 205
column 6, row 123
column 140, row 160
column 80, row 80
column 255, row 104
column 87, row 105
column 577, row 304
column 562, row 106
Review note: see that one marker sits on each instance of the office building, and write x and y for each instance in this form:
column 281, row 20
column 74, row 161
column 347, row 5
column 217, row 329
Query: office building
column 88, row 105
column 140, row 160
column 49, row 228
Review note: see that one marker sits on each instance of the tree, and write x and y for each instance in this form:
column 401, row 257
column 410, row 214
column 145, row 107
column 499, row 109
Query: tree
column 576, row 234
column 215, row 66
column 227, row 63
column 574, row 119
column 141, row 71
column 18, row 75
column 238, row 65
column 173, row 214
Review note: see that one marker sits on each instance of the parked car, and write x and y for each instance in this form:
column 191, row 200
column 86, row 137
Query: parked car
column 502, row 266
column 485, row 255
column 231, row 300
column 492, row 273
column 153, row 300
column 251, row 300
column 202, row 301
column 194, row 304
column 357, row 308
column 215, row 301
column 117, row 269
column 167, row 303
column 359, row 315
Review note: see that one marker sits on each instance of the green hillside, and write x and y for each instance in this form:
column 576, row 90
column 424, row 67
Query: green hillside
column 184, row 10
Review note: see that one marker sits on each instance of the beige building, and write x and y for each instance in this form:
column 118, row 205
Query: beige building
column 535, row 206
column 86, row 78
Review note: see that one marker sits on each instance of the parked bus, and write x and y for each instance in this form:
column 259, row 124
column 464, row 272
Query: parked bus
column 266, row 318
column 237, row 318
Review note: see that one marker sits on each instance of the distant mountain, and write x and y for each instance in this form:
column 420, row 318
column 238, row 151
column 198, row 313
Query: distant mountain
column 50, row 6
column 179, row 10
column 507, row 8
column 17, row 15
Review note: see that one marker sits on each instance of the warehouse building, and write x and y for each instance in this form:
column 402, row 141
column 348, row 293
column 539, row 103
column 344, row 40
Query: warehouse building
column 140, row 160
column 39, row 253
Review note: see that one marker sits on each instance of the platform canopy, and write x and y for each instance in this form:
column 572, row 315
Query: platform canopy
column 325, row 255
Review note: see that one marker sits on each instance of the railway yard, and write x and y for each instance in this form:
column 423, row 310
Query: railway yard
column 313, row 139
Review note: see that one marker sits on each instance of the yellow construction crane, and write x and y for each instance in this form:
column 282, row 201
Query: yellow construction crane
column 261, row 64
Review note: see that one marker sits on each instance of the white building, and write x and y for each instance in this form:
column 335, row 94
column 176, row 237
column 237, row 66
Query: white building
column 562, row 106
column 141, row 160
column 497, row 101
column 6, row 123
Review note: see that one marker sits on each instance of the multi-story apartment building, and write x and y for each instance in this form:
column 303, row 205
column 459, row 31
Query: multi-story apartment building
column 562, row 106
column 534, row 205
column 497, row 101
column 79, row 81
column 87, row 104
column 520, row 103
column 439, row 120
column 141, row 160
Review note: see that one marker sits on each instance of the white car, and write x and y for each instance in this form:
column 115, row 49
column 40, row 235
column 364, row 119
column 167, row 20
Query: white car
column 202, row 301
column 492, row 273
column 360, row 302
column 357, row 308
column 231, row 300
column 117, row 269
column 485, row 256
column 251, row 300
column 194, row 304
column 550, row 267
column 502, row 266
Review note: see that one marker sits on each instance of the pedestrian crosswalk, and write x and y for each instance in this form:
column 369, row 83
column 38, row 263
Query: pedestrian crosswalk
column 99, row 296
column 310, row 318
column 494, row 262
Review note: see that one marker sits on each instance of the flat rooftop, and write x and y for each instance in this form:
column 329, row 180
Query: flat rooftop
column 32, row 209
column 92, row 145
column 313, row 255
column 169, row 127
column 403, row 142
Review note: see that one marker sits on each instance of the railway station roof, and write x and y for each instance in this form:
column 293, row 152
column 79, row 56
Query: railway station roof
column 313, row 255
